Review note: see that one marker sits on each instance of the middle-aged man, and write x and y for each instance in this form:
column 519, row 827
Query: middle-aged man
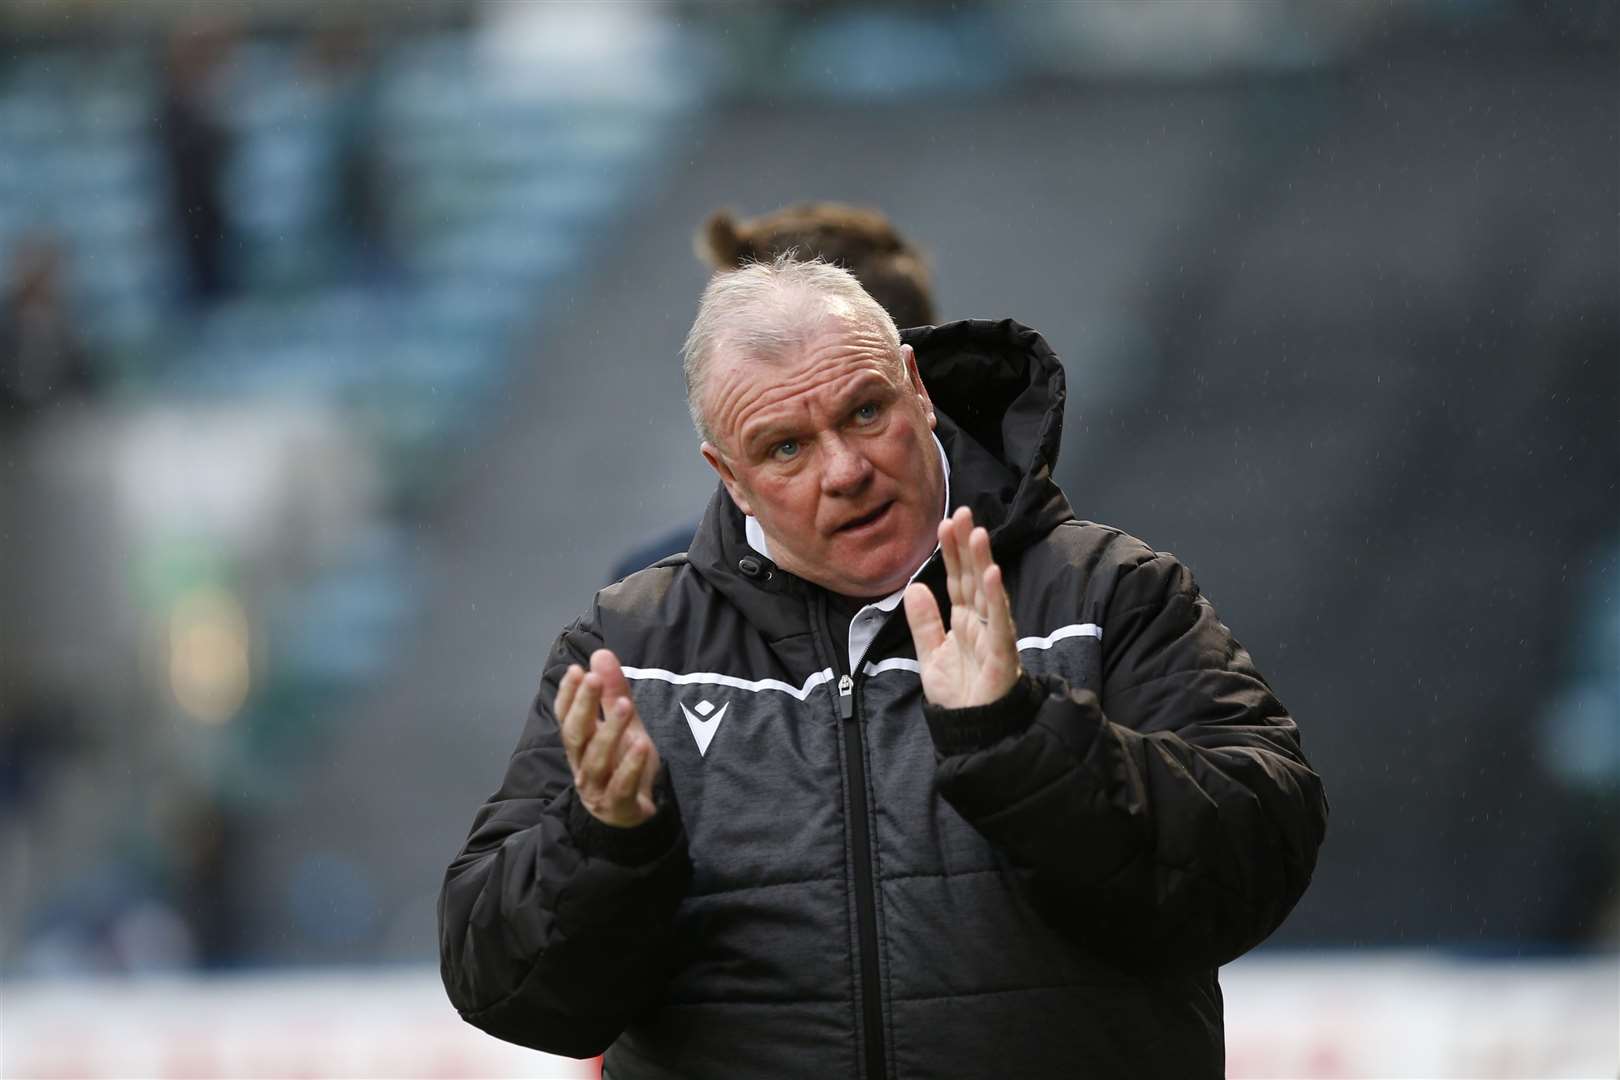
column 759, row 825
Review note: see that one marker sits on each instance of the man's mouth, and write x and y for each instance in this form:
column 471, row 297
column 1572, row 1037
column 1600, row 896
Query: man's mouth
column 865, row 519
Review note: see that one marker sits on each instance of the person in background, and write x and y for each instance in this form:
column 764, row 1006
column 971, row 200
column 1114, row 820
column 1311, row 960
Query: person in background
column 196, row 146
column 42, row 357
column 341, row 59
column 862, row 241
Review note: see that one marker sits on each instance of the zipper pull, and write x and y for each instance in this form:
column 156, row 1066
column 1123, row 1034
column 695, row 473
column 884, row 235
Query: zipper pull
column 846, row 697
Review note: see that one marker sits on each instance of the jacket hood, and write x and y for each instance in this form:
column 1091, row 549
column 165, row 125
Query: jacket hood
column 998, row 390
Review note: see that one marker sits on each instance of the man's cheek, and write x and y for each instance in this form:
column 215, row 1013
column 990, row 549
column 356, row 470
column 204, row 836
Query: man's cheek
column 790, row 501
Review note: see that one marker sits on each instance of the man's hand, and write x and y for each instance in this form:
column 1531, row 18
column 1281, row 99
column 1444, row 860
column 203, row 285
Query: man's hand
column 976, row 661
column 612, row 756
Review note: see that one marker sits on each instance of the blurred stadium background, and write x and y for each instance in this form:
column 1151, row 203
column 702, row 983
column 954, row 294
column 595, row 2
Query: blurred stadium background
column 340, row 365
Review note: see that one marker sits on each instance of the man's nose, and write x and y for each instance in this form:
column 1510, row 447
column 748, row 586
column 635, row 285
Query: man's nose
column 846, row 469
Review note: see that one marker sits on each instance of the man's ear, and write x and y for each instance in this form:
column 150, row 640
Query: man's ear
column 908, row 357
column 711, row 454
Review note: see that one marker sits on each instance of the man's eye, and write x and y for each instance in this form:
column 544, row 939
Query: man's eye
column 785, row 450
column 867, row 413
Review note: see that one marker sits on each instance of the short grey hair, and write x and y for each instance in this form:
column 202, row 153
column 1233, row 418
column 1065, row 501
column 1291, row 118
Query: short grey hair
column 764, row 310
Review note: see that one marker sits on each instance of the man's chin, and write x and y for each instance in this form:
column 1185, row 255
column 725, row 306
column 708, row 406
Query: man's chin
column 879, row 579
column 866, row 571
column 873, row 586
column 844, row 581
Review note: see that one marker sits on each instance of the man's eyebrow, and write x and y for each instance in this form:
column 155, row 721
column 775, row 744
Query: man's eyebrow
column 769, row 432
column 868, row 385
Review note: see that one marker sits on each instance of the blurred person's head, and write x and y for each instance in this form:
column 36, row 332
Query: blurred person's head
column 41, row 355
column 864, row 242
column 195, row 50
column 34, row 278
column 341, row 45
column 815, row 418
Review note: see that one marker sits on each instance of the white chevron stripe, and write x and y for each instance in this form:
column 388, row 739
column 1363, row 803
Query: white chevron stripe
column 714, row 678
column 1060, row 634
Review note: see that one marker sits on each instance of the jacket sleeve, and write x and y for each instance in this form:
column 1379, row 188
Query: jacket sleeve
column 553, row 927
column 1171, row 825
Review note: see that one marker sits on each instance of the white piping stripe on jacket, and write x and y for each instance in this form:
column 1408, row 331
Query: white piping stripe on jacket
column 897, row 663
column 1086, row 629
column 1062, row 632
column 710, row 677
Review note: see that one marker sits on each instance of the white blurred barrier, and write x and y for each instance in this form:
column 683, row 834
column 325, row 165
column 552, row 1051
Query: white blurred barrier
column 385, row 1022
column 1412, row 1014
column 1387, row 1015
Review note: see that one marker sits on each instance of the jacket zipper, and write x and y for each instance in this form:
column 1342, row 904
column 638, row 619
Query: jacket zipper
column 865, row 894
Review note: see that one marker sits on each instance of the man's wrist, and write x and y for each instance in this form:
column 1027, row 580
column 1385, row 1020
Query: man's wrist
column 634, row 845
column 962, row 731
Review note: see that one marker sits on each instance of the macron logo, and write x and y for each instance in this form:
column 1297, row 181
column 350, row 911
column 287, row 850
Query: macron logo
column 704, row 722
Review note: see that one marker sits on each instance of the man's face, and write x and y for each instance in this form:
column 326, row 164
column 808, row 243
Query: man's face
column 830, row 449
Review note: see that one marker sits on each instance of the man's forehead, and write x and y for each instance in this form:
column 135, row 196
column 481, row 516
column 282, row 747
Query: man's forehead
column 786, row 402
column 832, row 335
column 829, row 364
column 816, row 363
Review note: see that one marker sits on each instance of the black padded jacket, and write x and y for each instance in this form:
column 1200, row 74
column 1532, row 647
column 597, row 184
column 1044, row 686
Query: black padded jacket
column 838, row 885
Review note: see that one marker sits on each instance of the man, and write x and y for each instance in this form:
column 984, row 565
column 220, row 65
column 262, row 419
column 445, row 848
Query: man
column 760, row 825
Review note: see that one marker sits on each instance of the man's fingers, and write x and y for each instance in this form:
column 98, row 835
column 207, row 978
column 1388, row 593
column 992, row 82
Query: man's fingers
column 599, row 759
column 958, row 567
column 970, row 571
column 962, row 527
column 1003, row 635
column 582, row 719
column 649, row 776
column 979, row 561
column 967, row 556
column 605, row 666
column 953, row 562
column 922, row 613
column 567, row 687
column 579, row 723
column 625, row 783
